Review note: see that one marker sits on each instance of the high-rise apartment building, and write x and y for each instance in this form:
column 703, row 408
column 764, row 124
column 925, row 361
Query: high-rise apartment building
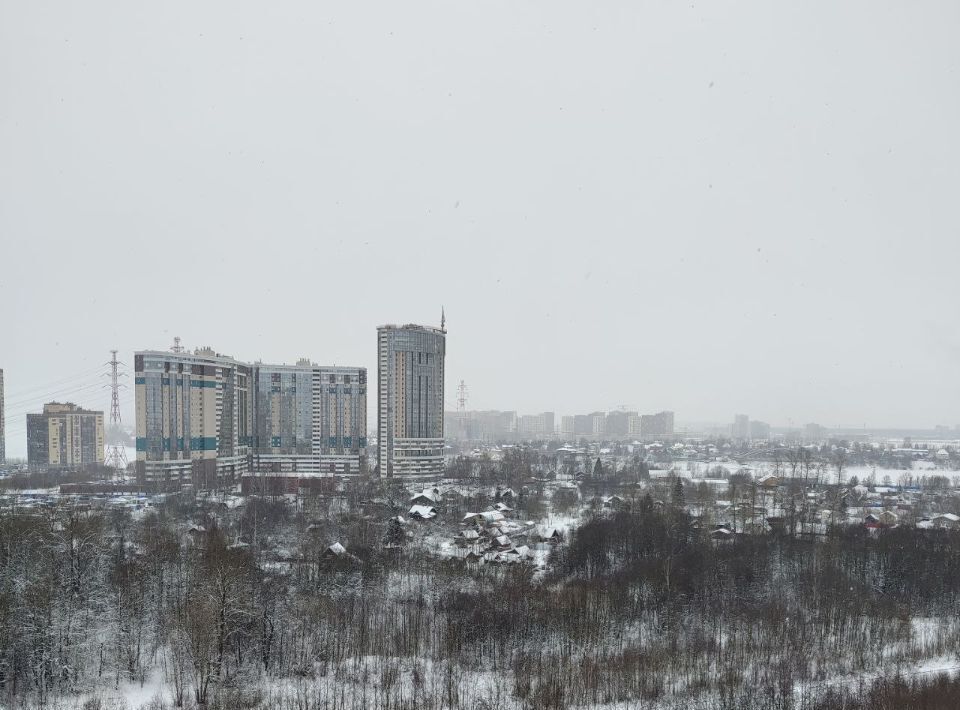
column 410, row 375
column 740, row 429
column 310, row 418
column 3, row 426
column 582, row 424
column 536, row 425
column 665, row 422
column 194, row 417
column 759, row 431
column 207, row 419
column 656, row 426
column 482, row 425
column 618, row 422
column 598, row 423
column 283, row 415
column 65, row 436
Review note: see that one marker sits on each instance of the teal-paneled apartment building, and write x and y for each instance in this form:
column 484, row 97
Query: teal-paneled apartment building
column 206, row 418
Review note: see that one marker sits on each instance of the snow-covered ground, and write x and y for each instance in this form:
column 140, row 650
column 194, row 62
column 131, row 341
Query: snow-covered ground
column 700, row 469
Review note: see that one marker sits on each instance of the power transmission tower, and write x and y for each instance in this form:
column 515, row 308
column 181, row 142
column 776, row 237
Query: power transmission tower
column 462, row 408
column 116, row 456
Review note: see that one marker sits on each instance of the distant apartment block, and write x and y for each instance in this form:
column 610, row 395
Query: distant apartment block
column 65, row 436
column 206, row 419
column 481, row 425
column 3, row 426
column 495, row 425
column 759, row 431
column 598, row 423
column 618, row 423
column 410, row 416
column 582, row 425
column 656, row 426
column 740, row 429
column 536, row 426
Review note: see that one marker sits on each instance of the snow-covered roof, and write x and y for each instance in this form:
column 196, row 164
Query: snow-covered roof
column 425, row 512
column 425, row 494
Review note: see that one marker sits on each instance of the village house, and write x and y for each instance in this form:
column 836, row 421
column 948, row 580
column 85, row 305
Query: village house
column 423, row 512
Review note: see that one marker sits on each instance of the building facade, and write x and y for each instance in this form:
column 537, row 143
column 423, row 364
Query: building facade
column 410, row 378
column 656, row 426
column 759, row 431
column 598, row 423
column 340, row 419
column 65, row 436
column 3, row 426
column 537, row 426
column 482, row 425
column 740, row 429
column 283, row 417
column 194, row 418
column 310, row 419
column 217, row 418
column 618, row 423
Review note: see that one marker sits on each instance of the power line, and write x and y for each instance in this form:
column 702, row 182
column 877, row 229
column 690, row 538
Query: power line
column 54, row 393
column 24, row 406
column 54, row 383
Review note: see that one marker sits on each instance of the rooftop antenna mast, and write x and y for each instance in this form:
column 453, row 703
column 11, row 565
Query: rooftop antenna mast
column 177, row 347
column 115, row 456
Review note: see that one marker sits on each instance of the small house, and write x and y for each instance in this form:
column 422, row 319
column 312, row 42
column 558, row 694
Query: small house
column 888, row 518
column 946, row 520
column 467, row 537
column 423, row 512
column 425, row 498
column 334, row 552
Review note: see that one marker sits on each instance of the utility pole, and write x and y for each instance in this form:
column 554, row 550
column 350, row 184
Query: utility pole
column 116, row 456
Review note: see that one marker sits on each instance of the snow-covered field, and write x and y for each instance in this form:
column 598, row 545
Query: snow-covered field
column 699, row 469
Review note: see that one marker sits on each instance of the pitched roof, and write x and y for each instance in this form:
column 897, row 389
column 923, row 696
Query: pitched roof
column 423, row 511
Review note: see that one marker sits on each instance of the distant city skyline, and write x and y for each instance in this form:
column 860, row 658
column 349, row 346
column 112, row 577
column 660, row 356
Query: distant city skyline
column 87, row 390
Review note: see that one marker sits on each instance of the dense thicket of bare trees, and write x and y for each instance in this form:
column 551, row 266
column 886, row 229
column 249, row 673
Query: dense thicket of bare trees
column 640, row 609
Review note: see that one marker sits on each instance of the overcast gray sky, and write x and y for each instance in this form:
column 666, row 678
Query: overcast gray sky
column 711, row 207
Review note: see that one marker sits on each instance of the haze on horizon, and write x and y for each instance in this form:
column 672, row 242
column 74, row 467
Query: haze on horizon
column 710, row 208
